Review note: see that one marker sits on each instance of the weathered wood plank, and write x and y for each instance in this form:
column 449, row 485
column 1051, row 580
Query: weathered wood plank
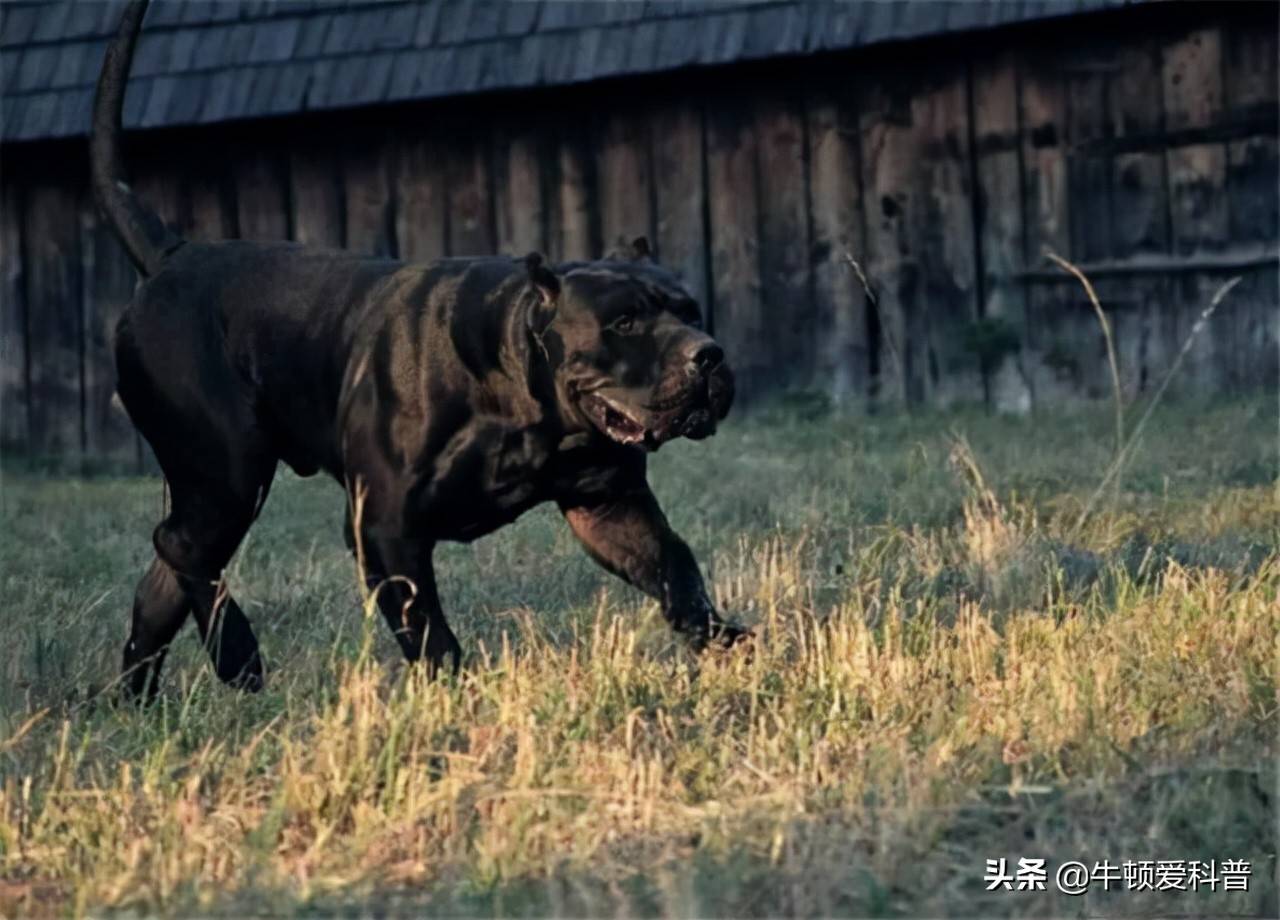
column 108, row 282
column 212, row 204
column 1259, row 330
column 732, row 184
column 517, row 190
column 1046, row 215
column 260, row 180
column 208, row 195
column 421, row 211
column 317, row 197
column 1134, row 89
column 574, row 228
column 1139, row 219
column 1237, row 351
column 14, row 431
column 890, row 151
column 1215, row 360
column 1193, row 79
column 471, row 223
column 680, row 237
column 1193, row 98
column 1140, row 206
column 368, row 207
column 942, row 225
column 162, row 188
column 784, row 243
column 1251, row 67
column 1087, row 73
column 1061, row 355
column 1198, row 200
column 1064, row 345
column 843, row 363
column 998, row 213
column 1253, row 167
column 1156, row 348
column 624, row 166
column 1125, row 304
column 55, row 338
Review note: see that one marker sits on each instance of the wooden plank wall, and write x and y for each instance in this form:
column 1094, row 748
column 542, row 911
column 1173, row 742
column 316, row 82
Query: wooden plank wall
column 1150, row 157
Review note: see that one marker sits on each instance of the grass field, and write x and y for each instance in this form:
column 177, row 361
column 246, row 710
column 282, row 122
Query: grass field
column 950, row 667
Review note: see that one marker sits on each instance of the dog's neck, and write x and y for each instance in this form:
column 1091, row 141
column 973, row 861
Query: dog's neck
column 534, row 362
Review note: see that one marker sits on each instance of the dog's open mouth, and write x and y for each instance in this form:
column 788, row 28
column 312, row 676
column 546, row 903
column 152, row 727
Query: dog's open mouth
column 615, row 421
column 624, row 426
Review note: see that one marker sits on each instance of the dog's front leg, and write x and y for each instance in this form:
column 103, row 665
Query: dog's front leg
column 401, row 571
column 629, row 535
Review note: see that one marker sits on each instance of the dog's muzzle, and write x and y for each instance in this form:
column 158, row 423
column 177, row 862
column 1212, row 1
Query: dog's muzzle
column 709, row 403
column 693, row 397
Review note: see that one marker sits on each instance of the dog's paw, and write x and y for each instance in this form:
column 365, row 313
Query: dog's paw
column 721, row 635
column 728, row 635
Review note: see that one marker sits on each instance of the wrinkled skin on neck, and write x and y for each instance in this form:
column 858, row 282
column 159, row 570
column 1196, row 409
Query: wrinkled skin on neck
column 628, row 354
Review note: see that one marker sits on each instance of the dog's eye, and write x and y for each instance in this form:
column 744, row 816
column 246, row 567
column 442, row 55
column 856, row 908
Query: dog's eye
column 626, row 323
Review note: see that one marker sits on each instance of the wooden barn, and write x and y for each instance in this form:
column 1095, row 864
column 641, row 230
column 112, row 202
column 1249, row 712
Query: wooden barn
column 785, row 156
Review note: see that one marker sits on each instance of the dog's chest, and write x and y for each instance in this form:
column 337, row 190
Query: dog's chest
column 487, row 476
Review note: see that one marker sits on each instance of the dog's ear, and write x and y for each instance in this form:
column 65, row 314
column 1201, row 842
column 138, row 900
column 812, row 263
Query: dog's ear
column 544, row 283
column 635, row 251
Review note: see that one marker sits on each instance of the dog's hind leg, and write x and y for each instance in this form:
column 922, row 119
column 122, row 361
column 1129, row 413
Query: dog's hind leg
column 160, row 606
column 193, row 546
column 218, row 474
column 199, row 415
column 197, row 542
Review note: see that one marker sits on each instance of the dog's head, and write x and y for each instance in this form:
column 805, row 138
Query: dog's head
column 626, row 346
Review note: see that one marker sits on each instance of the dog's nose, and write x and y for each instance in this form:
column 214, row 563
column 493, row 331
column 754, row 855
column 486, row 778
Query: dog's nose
column 707, row 358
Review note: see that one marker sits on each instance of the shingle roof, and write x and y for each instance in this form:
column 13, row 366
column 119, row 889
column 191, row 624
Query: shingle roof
column 200, row 62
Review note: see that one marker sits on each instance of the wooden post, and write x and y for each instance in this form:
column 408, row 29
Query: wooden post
column 1139, row 216
column 790, row 348
column 942, row 226
column 624, row 167
column 681, row 233
column 366, row 186
column 1197, row 176
column 14, row 406
column 732, row 184
column 108, row 280
column 421, row 213
column 161, row 187
column 841, row 327
column 517, row 193
column 260, row 179
column 890, row 183
column 574, row 229
column 54, row 318
column 317, row 197
column 210, row 195
column 1253, row 164
column 1050, row 355
column 997, row 203
column 470, row 226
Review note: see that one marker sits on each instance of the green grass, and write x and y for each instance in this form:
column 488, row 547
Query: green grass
column 948, row 669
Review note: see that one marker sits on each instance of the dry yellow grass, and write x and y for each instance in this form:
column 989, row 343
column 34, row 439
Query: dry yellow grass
column 939, row 678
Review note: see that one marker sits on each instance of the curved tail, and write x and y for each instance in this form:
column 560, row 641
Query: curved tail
column 142, row 232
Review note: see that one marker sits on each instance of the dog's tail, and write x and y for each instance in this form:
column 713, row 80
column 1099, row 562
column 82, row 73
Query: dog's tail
column 144, row 235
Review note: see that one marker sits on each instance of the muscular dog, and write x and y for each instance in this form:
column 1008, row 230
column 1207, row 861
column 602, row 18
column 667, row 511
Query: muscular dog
column 454, row 396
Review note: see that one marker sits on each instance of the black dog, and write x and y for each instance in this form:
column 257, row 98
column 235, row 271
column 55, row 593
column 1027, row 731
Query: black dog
column 452, row 396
